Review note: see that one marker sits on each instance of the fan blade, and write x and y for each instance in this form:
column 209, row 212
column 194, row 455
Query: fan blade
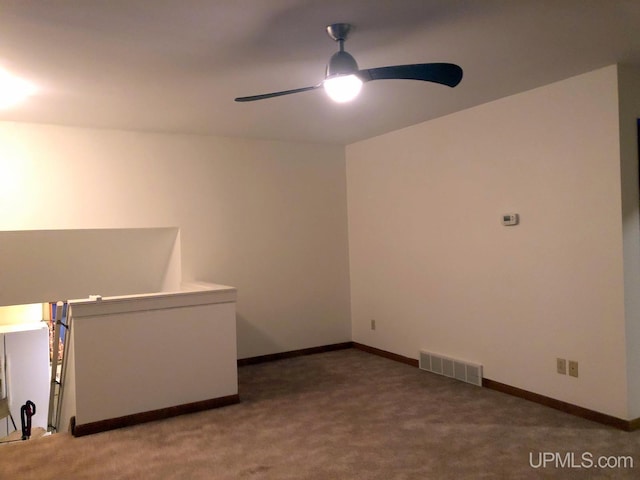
column 276, row 94
column 445, row 73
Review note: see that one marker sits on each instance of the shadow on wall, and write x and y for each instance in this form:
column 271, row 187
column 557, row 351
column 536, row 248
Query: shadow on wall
column 253, row 342
column 49, row 265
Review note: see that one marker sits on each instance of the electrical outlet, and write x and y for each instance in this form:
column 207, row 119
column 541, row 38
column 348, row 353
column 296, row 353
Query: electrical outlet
column 561, row 366
column 573, row 368
column 373, row 324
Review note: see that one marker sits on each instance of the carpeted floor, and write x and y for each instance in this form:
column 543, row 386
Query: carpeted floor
column 340, row 415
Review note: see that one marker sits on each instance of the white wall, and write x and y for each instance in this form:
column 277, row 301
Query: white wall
column 113, row 378
column 26, row 371
column 431, row 262
column 266, row 217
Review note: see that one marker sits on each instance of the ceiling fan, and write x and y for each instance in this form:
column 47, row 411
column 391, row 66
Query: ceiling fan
column 343, row 79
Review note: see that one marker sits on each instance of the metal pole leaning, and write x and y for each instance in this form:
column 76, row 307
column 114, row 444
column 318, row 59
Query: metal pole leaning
column 54, row 389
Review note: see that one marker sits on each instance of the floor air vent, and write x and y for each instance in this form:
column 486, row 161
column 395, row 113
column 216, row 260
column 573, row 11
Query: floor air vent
column 450, row 367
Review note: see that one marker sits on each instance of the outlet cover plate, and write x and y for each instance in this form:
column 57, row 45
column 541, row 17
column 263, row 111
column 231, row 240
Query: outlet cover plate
column 561, row 366
column 573, row 368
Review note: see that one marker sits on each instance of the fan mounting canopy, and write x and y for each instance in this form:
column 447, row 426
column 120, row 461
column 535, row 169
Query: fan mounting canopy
column 339, row 31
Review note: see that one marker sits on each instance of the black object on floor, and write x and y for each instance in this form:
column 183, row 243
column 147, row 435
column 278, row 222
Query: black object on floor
column 27, row 411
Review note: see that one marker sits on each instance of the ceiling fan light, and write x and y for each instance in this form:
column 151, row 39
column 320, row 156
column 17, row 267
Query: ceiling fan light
column 13, row 90
column 342, row 88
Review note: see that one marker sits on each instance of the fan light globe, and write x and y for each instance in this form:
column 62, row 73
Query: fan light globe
column 13, row 90
column 342, row 88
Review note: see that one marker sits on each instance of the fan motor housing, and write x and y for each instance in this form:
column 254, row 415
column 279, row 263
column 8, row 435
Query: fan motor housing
column 341, row 63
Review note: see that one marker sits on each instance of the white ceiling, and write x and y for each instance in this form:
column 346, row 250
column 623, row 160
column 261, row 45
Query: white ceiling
column 177, row 65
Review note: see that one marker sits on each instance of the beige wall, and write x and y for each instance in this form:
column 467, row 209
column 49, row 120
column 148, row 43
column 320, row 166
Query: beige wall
column 14, row 314
column 431, row 262
column 266, row 217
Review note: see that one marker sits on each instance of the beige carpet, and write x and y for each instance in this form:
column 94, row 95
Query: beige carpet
column 339, row 415
column 36, row 432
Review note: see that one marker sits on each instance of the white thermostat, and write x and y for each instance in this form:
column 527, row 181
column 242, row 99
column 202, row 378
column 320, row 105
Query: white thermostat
column 509, row 219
